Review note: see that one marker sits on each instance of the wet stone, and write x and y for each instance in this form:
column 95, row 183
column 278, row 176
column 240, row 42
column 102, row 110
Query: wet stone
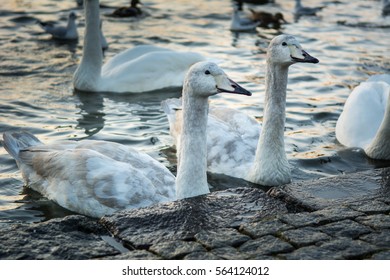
column 229, row 253
column 380, row 221
column 347, row 248
column 318, row 194
column 345, row 228
column 304, row 236
column 380, row 239
column 134, row 255
column 73, row 237
column 176, row 249
column 221, row 238
column 384, row 255
column 335, row 213
column 311, row 253
column 266, row 227
column 183, row 219
column 201, row 256
column 266, row 245
column 370, row 207
column 300, row 219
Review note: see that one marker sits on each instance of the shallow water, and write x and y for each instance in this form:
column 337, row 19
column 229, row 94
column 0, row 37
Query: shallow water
column 350, row 38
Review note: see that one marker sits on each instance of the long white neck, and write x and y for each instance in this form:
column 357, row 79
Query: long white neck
column 191, row 177
column 87, row 75
column 271, row 166
column 379, row 148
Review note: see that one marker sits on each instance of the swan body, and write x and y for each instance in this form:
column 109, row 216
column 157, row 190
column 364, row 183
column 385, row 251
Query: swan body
column 305, row 11
column 68, row 32
column 97, row 178
column 142, row 69
column 365, row 120
column 239, row 24
column 236, row 144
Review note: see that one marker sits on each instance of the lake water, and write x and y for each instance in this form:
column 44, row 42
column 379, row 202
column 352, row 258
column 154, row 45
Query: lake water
column 350, row 38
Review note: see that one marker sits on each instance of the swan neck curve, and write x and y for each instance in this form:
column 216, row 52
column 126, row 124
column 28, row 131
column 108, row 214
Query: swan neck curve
column 191, row 177
column 87, row 74
column 271, row 166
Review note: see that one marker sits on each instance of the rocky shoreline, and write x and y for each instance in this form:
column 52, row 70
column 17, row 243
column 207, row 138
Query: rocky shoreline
column 301, row 220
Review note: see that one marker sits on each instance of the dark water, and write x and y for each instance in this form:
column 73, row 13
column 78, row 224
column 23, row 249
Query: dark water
column 350, row 38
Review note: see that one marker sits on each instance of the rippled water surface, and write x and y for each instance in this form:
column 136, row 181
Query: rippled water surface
column 350, row 38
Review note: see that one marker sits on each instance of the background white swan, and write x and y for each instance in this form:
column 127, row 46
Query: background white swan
column 68, row 32
column 365, row 120
column 140, row 69
column 234, row 144
column 239, row 24
column 300, row 10
column 96, row 178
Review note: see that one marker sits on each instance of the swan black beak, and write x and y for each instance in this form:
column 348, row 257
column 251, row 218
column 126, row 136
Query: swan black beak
column 307, row 58
column 235, row 88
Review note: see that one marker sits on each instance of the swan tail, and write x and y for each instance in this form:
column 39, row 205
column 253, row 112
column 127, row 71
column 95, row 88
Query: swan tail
column 14, row 142
column 170, row 107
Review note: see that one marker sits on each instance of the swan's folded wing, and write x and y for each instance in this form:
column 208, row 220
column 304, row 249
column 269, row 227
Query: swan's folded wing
column 232, row 138
column 90, row 183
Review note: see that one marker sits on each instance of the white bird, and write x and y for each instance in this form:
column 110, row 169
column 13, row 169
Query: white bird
column 305, row 11
column 365, row 120
column 239, row 24
column 97, row 178
column 68, row 32
column 236, row 145
column 141, row 69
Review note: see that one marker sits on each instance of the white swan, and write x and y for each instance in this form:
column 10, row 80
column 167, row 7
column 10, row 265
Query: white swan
column 300, row 10
column 234, row 145
column 96, row 178
column 365, row 120
column 144, row 68
column 239, row 24
column 68, row 32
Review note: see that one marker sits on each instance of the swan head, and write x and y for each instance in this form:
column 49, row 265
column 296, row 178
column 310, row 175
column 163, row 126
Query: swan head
column 286, row 50
column 207, row 78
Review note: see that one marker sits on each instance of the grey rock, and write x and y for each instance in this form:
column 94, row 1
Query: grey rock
column 265, row 227
column 335, row 213
column 73, row 237
column 370, row 207
column 300, row 219
column 304, row 236
column 201, row 256
column 266, row 245
column 134, row 255
column 181, row 220
column 311, row 253
column 221, row 238
column 384, row 255
column 176, row 249
column 380, row 239
column 345, row 228
column 347, row 248
column 380, row 221
column 229, row 253
column 325, row 192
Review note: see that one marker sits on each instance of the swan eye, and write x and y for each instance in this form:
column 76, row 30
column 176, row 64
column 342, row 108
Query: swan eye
column 284, row 44
column 207, row 72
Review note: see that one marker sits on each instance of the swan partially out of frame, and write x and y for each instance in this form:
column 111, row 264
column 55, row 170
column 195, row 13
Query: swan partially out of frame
column 365, row 120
